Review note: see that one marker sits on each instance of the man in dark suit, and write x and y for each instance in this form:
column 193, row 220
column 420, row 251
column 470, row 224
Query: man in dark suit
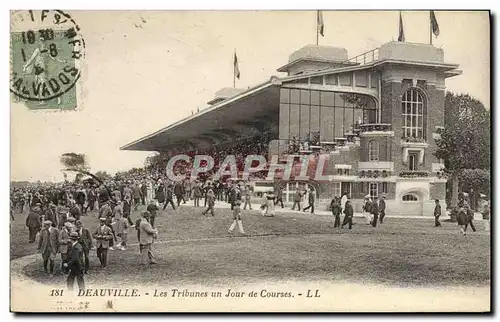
column 75, row 263
column 381, row 209
column 103, row 235
column 33, row 222
column 437, row 213
column 179, row 192
column 374, row 210
column 86, row 242
column 311, row 199
column 48, row 245
column 279, row 196
column 335, row 205
column 349, row 213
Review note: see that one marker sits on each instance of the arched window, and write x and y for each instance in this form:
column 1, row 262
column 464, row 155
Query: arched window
column 413, row 106
column 373, row 151
column 410, row 197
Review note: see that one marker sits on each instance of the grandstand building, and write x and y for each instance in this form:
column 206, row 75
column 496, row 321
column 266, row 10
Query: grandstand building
column 377, row 115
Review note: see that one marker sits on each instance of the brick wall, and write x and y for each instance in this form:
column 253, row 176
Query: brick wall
column 435, row 108
column 391, row 113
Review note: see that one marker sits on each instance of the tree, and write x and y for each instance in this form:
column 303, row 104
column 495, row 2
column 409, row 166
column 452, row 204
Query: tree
column 465, row 140
column 76, row 162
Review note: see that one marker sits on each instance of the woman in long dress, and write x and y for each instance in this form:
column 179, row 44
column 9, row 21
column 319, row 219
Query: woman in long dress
column 149, row 191
column 270, row 204
column 263, row 204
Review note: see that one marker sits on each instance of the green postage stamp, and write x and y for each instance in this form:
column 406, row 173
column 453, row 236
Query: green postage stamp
column 46, row 51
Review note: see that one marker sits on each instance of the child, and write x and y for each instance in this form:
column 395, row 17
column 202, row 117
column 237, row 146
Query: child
column 437, row 213
column 236, row 218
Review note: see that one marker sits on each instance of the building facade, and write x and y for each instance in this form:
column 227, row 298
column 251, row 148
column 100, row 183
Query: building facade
column 377, row 115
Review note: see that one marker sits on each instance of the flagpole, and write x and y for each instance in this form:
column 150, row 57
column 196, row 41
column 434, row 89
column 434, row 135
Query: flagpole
column 234, row 69
column 430, row 28
column 317, row 28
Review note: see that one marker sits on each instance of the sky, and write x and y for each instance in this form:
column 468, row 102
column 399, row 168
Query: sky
column 140, row 77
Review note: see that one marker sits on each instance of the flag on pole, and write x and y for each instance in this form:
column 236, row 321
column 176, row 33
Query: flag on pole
column 401, row 36
column 321, row 25
column 236, row 68
column 434, row 24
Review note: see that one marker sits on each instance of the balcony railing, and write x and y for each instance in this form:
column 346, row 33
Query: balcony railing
column 414, row 174
column 374, row 173
column 413, row 140
column 375, row 127
column 364, row 58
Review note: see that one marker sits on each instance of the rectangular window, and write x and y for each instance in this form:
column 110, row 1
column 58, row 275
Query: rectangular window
column 345, row 79
column 336, row 190
column 413, row 161
column 317, row 80
column 346, row 188
column 374, row 80
column 383, row 187
column 340, row 172
column 373, row 189
column 346, row 172
column 331, row 79
column 361, row 78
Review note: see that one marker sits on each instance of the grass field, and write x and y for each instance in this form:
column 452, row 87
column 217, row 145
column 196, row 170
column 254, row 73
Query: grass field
column 291, row 246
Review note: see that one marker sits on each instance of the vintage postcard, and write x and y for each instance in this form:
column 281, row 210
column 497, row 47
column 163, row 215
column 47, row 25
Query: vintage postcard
column 250, row 161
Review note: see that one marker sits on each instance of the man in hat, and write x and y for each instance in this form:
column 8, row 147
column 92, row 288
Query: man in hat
column 349, row 213
column 169, row 199
column 210, row 201
column 297, row 198
column 381, row 208
column 279, row 196
column 102, row 235
column 48, row 245
column 75, row 263
column 33, row 222
column 248, row 197
column 437, row 213
column 236, row 218
column 72, row 220
column 51, row 214
column 105, row 210
column 311, row 199
column 179, row 192
column 86, row 242
column 197, row 193
column 118, row 209
column 147, row 236
column 63, row 242
column 336, row 209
